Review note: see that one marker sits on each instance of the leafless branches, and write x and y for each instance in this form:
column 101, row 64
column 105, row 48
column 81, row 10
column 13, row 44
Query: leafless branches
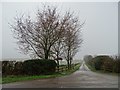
column 50, row 35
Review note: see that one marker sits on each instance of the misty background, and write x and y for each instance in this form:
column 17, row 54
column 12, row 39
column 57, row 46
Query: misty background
column 100, row 32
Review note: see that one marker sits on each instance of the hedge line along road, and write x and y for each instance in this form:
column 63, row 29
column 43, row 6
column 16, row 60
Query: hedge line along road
column 83, row 78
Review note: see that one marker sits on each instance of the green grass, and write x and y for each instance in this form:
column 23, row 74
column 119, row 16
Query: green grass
column 10, row 79
column 71, row 70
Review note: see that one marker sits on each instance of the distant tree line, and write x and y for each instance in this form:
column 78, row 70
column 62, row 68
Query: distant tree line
column 52, row 35
column 104, row 62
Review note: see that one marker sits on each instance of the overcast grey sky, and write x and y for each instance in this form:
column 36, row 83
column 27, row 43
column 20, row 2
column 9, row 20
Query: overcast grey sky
column 100, row 33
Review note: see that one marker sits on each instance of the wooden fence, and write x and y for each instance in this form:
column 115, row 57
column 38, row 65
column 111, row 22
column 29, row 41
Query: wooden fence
column 64, row 68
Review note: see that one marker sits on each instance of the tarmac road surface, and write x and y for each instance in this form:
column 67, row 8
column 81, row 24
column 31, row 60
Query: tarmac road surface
column 83, row 78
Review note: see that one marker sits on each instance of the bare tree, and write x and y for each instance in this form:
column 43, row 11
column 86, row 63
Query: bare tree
column 49, row 35
column 72, row 38
column 37, row 37
column 57, row 51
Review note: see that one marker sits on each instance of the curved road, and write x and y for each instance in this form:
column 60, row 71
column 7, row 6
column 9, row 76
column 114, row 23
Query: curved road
column 83, row 78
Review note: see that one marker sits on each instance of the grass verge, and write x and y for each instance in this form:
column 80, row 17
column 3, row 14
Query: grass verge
column 10, row 79
column 91, row 68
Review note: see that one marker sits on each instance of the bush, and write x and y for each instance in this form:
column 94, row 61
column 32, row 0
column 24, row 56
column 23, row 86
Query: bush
column 108, row 65
column 116, row 67
column 99, row 61
column 39, row 66
column 18, row 68
column 7, row 67
column 29, row 67
column 105, row 63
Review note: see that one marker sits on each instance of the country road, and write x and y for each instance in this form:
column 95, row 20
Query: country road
column 83, row 78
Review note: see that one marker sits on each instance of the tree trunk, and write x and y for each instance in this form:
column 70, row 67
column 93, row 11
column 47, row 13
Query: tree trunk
column 46, row 54
column 68, row 60
column 58, row 60
column 58, row 65
column 70, row 63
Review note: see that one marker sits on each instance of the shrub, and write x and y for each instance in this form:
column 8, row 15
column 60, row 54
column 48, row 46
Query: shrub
column 105, row 63
column 99, row 61
column 108, row 64
column 116, row 67
column 7, row 67
column 18, row 68
column 39, row 66
column 29, row 67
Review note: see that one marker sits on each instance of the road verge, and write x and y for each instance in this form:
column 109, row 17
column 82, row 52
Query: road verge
column 10, row 79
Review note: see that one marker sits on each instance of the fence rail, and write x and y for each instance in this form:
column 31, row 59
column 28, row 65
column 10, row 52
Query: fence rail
column 64, row 68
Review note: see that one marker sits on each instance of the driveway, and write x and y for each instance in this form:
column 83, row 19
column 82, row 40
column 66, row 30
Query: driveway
column 83, row 78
